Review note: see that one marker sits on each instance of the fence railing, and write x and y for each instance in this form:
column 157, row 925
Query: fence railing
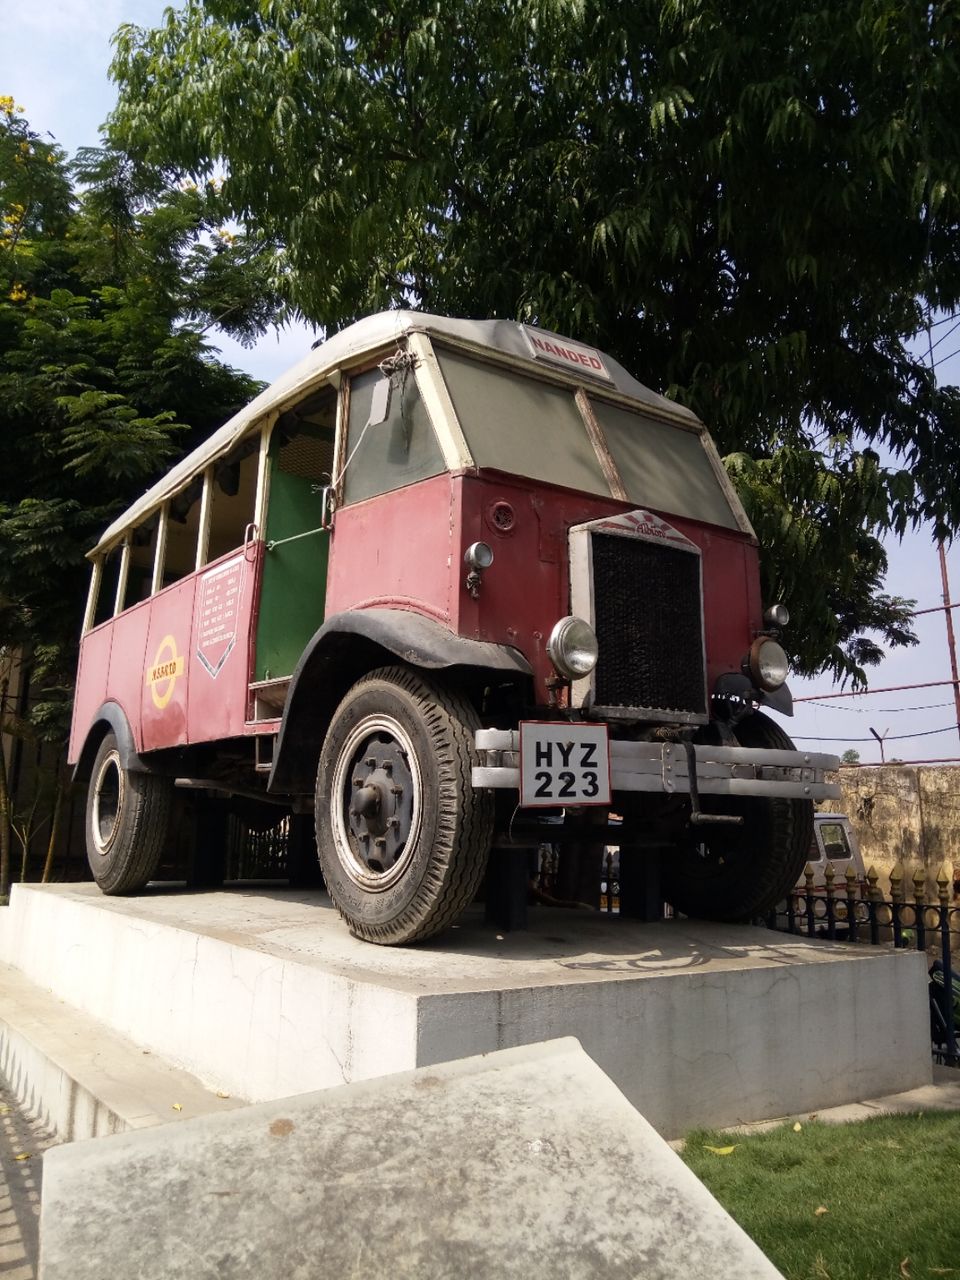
column 859, row 914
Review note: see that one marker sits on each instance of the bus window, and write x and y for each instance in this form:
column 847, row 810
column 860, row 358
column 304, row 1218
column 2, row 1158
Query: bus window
column 183, row 529
column 399, row 451
column 143, row 549
column 233, row 497
column 109, row 581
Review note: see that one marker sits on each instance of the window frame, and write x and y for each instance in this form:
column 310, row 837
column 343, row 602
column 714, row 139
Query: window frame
column 162, row 512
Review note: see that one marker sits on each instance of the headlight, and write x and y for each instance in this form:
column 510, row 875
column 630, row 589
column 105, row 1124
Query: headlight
column 479, row 555
column 767, row 664
column 573, row 648
column 777, row 615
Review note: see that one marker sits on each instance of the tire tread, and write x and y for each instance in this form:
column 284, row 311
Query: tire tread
column 465, row 817
column 146, row 826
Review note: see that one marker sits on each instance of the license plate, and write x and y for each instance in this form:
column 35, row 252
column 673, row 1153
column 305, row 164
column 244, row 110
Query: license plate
column 563, row 764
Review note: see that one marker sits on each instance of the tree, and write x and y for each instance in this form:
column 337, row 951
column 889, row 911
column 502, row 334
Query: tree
column 753, row 207
column 105, row 379
column 850, row 756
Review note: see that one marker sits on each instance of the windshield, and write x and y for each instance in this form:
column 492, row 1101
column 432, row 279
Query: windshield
column 525, row 426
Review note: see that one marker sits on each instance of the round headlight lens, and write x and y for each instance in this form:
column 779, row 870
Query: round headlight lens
column 768, row 664
column 479, row 555
column 778, row 615
column 573, row 647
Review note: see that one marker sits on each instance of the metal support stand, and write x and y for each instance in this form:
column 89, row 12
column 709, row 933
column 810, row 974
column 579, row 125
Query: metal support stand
column 641, row 895
column 207, row 856
column 508, row 881
column 303, row 866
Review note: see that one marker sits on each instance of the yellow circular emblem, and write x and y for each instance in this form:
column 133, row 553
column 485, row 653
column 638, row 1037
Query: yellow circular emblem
column 162, row 676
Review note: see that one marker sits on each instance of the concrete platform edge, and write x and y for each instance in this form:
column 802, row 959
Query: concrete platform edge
column 266, row 996
column 79, row 1078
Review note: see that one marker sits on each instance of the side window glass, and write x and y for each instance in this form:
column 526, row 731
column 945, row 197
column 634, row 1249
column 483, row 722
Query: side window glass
column 109, row 580
column 183, row 530
column 389, row 454
column 834, row 839
column 143, row 548
column 233, row 498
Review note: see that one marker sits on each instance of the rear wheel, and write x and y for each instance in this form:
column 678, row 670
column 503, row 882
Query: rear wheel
column 740, row 872
column 127, row 821
column 402, row 836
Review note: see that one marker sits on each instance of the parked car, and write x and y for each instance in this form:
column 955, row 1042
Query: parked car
column 834, row 841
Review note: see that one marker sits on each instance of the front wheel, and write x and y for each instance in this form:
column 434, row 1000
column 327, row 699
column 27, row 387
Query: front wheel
column 740, row 872
column 402, row 836
column 127, row 821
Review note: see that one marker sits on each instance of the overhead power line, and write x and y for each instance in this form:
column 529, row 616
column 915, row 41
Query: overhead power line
column 891, row 737
column 862, row 711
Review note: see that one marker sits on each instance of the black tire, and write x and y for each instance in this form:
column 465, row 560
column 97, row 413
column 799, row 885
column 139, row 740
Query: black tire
column 402, row 836
column 128, row 822
column 738, row 873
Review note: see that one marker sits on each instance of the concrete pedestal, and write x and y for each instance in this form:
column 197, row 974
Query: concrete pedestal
column 264, row 994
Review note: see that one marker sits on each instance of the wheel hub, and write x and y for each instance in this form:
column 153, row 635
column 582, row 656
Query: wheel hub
column 381, row 804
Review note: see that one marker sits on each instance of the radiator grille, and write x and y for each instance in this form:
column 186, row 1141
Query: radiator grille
column 648, row 622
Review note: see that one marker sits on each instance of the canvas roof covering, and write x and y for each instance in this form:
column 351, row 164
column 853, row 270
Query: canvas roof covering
column 370, row 334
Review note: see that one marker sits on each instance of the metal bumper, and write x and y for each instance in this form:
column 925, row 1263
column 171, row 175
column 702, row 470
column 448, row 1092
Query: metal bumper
column 662, row 767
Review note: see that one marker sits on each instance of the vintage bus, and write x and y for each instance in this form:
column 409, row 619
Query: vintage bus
column 443, row 577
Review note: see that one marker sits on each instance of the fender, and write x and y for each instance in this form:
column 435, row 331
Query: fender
column 733, row 684
column 110, row 716
column 346, row 646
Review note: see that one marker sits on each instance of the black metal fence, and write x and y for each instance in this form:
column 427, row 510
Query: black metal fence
column 858, row 914
column 258, row 852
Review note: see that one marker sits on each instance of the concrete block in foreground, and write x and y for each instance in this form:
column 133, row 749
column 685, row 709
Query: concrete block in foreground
column 524, row 1163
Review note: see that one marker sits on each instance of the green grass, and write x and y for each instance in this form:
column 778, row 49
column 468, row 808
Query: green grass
column 890, row 1187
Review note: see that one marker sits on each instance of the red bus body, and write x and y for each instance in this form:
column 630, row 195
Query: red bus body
column 435, row 501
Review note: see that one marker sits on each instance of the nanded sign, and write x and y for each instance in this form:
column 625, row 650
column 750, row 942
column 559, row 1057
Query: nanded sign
column 568, row 354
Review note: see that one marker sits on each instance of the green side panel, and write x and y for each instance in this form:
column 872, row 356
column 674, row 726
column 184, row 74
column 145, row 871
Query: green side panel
column 294, row 583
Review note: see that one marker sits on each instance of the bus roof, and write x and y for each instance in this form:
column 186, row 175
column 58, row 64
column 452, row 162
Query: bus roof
column 345, row 347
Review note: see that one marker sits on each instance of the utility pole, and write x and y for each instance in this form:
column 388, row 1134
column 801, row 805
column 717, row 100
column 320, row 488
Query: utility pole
column 880, row 740
column 951, row 643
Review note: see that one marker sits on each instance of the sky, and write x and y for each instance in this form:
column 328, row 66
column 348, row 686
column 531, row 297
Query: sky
column 54, row 59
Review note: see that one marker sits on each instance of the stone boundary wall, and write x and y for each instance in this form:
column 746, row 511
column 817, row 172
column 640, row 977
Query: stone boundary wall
column 904, row 813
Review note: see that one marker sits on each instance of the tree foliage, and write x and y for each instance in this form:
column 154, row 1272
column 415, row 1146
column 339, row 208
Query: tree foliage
column 103, row 381
column 754, row 207
column 105, row 378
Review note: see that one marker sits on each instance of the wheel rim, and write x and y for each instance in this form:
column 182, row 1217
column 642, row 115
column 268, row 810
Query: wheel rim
column 108, row 793
column 376, row 807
